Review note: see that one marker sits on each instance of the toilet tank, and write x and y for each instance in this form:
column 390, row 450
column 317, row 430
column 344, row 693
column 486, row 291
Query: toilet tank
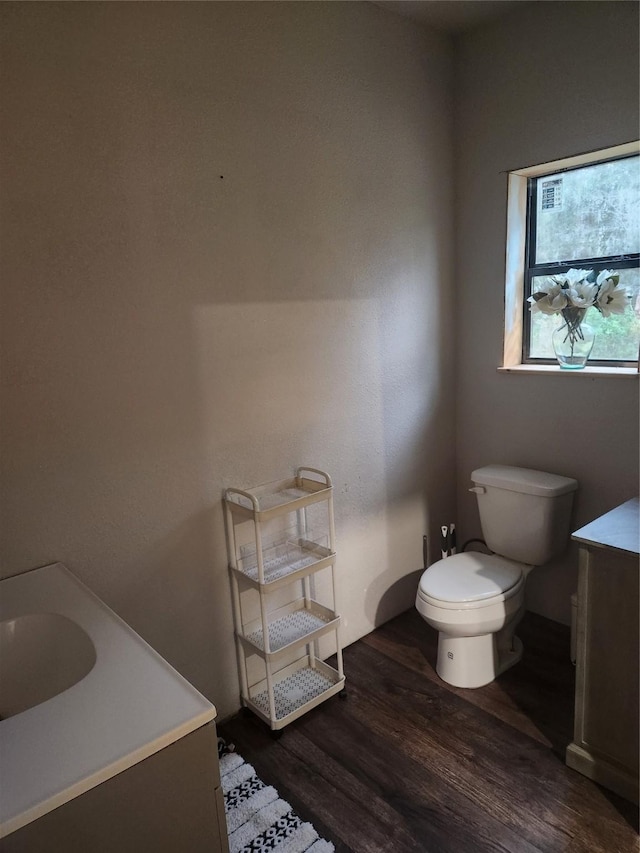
column 525, row 514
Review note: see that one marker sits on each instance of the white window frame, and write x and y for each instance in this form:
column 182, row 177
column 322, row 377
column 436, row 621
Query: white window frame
column 515, row 263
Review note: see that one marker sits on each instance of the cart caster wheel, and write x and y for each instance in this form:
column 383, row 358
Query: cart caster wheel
column 343, row 694
column 277, row 734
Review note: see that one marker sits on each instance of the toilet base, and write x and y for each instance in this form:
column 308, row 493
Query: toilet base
column 474, row 661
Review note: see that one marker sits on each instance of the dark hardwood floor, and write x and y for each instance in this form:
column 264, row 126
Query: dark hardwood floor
column 407, row 763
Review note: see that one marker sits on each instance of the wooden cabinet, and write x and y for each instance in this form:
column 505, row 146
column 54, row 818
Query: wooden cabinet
column 171, row 801
column 605, row 743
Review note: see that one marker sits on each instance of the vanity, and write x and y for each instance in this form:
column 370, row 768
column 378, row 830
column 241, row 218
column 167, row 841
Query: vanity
column 104, row 747
column 605, row 742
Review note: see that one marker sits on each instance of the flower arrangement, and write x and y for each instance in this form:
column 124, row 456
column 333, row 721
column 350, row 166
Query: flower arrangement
column 572, row 294
column 580, row 289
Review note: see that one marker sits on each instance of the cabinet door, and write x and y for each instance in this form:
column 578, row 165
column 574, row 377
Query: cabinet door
column 607, row 710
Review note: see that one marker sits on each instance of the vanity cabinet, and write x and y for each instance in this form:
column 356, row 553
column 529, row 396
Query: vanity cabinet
column 169, row 802
column 122, row 758
column 605, row 743
column 282, row 553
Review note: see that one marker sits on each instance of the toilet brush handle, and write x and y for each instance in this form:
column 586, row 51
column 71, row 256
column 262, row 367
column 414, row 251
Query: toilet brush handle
column 444, row 541
column 453, row 549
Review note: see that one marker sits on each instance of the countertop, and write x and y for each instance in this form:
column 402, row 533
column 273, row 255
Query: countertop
column 617, row 530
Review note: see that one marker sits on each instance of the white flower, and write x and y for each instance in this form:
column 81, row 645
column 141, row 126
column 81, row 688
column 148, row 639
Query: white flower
column 550, row 302
column 573, row 277
column 607, row 275
column 610, row 299
column 583, row 295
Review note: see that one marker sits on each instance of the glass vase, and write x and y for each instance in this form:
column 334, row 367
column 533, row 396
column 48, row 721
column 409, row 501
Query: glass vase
column 573, row 339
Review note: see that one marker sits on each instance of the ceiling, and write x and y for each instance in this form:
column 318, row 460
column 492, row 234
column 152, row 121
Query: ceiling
column 450, row 15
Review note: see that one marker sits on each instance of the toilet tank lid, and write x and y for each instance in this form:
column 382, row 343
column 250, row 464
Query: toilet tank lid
column 524, row 480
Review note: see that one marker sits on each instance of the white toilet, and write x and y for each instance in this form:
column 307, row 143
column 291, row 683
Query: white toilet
column 476, row 600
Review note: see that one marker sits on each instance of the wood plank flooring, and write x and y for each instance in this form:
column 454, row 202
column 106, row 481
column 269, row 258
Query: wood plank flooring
column 408, row 764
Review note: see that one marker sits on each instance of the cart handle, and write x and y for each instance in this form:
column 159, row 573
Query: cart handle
column 251, row 498
column 327, row 478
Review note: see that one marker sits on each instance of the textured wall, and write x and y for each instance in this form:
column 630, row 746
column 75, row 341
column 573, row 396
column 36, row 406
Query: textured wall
column 226, row 252
column 547, row 81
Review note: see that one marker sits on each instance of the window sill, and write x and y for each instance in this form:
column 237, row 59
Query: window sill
column 553, row 369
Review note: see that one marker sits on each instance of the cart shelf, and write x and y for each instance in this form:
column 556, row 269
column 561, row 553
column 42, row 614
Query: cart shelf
column 295, row 623
column 286, row 562
column 284, row 496
column 296, row 689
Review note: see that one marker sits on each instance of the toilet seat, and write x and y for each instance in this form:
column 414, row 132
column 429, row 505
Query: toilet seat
column 471, row 580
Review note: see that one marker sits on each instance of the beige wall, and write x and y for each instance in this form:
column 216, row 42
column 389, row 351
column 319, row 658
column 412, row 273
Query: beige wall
column 226, row 252
column 548, row 81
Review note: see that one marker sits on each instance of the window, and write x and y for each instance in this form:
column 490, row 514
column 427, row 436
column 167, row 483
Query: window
column 581, row 213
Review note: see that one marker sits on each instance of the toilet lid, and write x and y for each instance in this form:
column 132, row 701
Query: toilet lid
column 470, row 577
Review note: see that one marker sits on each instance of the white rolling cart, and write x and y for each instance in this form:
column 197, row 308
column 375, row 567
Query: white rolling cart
column 280, row 536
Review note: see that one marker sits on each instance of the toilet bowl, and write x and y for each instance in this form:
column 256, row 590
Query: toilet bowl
column 475, row 600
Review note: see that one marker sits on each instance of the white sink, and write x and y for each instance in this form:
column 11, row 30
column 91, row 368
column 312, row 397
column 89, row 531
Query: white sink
column 41, row 655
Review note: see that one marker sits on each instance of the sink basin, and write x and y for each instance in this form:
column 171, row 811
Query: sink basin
column 41, row 655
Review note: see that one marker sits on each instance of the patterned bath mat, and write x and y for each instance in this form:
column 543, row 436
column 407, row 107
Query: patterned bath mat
column 258, row 821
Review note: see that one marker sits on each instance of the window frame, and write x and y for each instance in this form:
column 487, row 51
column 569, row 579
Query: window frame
column 519, row 271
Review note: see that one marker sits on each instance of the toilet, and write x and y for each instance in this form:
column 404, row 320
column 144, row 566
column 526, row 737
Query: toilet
column 476, row 600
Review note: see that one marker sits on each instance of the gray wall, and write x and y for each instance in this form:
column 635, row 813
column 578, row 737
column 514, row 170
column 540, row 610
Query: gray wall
column 227, row 236
column 548, row 81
